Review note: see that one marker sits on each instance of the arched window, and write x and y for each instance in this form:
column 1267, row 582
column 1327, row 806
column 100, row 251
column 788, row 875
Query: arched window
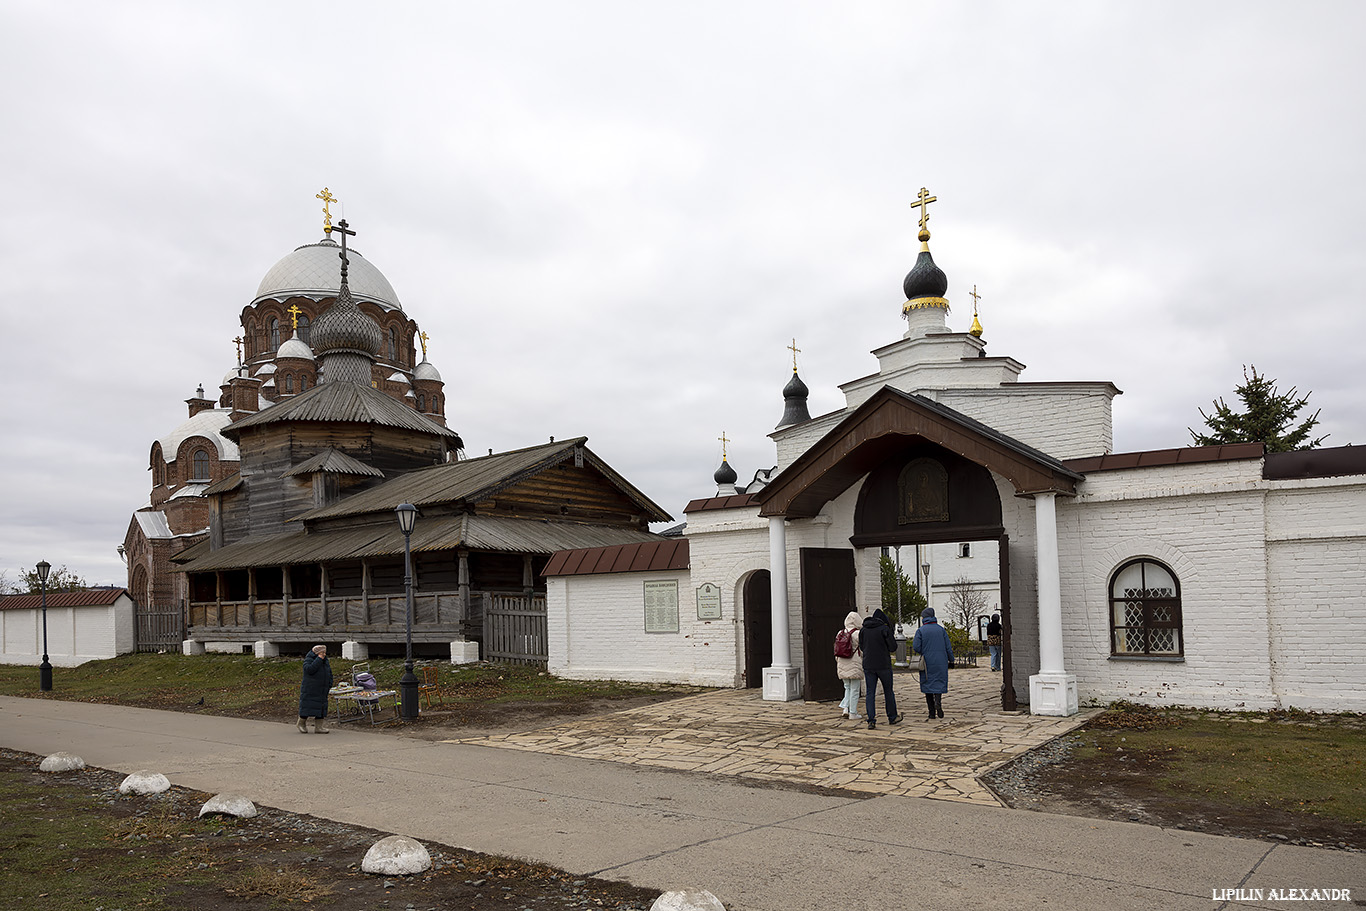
column 393, row 345
column 289, row 382
column 274, row 334
column 303, row 330
column 965, row 550
column 421, row 402
column 436, row 404
column 303, row 381
column 1145, row 611
column 201, row 465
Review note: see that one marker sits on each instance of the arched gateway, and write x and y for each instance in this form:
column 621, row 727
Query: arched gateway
column 921, row 473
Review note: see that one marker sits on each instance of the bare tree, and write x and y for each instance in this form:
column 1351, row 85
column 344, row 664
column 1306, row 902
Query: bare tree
column 966, row 604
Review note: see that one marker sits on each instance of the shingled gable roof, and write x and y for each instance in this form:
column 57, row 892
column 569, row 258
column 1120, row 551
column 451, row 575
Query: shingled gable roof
column 470, row 481
column 330, row 461
column 351, row 403
column 878, row 427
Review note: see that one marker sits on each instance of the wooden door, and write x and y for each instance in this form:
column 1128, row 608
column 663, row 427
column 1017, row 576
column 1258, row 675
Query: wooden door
column 827, row 596
column 758, row 627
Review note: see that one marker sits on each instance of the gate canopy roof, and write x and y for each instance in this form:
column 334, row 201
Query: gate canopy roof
column 878, row 429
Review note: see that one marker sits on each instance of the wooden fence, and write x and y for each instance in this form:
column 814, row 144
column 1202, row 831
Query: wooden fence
column 515, row 629
column 159, row 629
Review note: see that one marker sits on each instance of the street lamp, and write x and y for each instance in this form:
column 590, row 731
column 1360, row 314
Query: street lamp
column 44, row 669
column 926, row 567
column 407, row 684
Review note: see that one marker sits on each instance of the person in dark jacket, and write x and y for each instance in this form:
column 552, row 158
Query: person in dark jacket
column 932, row 642
column 313, row 692
column 994, row 641
column 879, row 645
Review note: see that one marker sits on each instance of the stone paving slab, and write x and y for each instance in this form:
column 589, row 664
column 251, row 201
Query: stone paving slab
column 737, row 733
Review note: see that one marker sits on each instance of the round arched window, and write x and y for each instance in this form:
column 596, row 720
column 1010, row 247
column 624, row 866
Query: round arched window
column 1145, row 611
column 201, row 465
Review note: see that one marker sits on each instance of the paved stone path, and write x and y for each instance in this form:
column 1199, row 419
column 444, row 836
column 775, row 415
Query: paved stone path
column 735, row 732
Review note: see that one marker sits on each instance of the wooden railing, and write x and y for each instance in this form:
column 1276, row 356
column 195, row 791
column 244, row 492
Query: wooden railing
column 373, row 613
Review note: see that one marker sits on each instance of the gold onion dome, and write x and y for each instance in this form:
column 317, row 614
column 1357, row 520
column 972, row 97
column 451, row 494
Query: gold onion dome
column 926, row 283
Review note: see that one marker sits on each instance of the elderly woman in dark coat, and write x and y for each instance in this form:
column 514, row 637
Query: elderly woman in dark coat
column 313, row 692
column 932, row 642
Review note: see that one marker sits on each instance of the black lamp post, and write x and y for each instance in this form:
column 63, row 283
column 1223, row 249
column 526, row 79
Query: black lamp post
column 407, row 684
column 44, row 669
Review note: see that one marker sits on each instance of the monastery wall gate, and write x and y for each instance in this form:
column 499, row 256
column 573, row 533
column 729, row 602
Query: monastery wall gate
column 515, row 629
column 159, row 629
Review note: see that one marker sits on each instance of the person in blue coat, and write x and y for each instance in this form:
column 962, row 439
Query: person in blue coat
column 313, row 692
column 932, row 641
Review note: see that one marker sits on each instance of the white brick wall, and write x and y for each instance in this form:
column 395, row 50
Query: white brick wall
column 75, row 635
column 597, row 631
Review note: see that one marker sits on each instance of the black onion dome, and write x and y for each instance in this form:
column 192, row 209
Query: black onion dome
column 794, row 403
column 926, row 279
column 725, row 474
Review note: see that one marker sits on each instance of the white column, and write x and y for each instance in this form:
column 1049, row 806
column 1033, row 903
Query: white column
column 782, row 681
column 1052, row 691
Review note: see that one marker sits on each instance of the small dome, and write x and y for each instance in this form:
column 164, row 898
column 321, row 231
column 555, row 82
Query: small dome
column 296, row 348
column 725, row 474
column 425, row 371
column 207, row 424
column 312, row 271
column 795, row 388
column 231, row 375
column 795, row 410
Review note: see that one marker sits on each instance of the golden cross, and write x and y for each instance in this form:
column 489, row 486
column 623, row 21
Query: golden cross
column 795, row 351
column 975, row 297
column 327, row 198
column 923, row 200
column 422, row 337
column 294, row 312
column 724, row 441
column 238, row 340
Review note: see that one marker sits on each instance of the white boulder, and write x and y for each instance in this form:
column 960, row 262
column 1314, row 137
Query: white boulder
column 397, row 855
column 144, row 781
column 61, row 762
column 688, row 900
column 228, row 805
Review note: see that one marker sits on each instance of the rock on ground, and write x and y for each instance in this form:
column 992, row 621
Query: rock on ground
column 688, row 900
column 144, row 781
column 61, row 762
column 397, row 855
column 229, row 805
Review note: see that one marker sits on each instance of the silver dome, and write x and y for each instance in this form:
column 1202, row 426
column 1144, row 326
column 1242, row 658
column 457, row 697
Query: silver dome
column 315, row 270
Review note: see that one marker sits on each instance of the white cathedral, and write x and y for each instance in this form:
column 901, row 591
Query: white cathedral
column 1226, row 577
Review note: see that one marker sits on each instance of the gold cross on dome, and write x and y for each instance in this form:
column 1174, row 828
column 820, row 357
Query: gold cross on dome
column 975, row 298
column 422, row 337
column 294, row 312
column 923, row 200
column 238, row 341
column 795, row 351
column 724, row 441
column 327, row 198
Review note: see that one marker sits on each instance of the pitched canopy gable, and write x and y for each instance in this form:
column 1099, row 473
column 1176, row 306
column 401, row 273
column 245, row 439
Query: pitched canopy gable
column 468, row 482
column 878, row 429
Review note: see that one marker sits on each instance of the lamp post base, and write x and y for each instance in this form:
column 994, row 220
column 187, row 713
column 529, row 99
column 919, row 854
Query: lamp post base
column 407, row 693
column 45, row 676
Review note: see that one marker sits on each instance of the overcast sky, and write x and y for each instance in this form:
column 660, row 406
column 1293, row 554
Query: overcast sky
column 612, row 218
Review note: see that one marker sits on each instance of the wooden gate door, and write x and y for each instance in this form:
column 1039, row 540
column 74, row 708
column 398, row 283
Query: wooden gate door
column 758, row 627
column 827, row 595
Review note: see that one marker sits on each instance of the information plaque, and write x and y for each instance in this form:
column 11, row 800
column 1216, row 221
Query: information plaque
column 661, row 606
column 709, row 601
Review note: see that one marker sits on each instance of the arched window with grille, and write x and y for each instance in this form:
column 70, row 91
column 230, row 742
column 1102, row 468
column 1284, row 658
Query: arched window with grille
column 201, row 465
column 289, row 383
column 421, row 402
column 393, row 345
column 1145, row 611
column 274, row 334
column 303, row 331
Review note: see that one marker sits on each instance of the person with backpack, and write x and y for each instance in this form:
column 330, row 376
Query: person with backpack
column 848, row 666
column 878, row 646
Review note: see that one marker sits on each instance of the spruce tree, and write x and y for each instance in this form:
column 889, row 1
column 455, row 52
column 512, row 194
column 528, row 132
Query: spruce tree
column 1268, row 416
